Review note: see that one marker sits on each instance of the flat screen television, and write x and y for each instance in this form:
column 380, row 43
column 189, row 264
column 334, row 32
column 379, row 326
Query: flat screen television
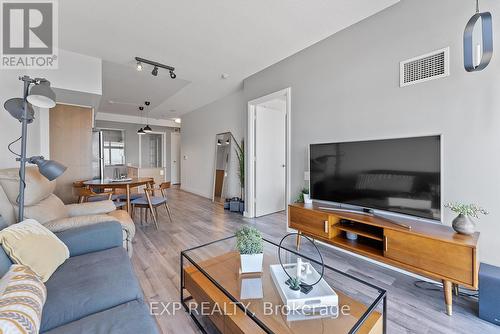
column 397, row 175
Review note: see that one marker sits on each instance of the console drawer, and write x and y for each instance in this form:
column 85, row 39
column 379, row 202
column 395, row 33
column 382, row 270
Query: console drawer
column 444, row 259
column 312, row 222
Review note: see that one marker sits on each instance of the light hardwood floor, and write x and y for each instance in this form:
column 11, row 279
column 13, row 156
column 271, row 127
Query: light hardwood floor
column 197, row 220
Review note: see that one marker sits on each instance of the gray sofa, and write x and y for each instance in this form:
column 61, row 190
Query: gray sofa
column 95, row 290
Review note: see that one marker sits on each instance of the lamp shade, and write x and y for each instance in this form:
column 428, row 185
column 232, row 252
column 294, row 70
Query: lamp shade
column 42, row 95
column 140, row 131
column 15, row 107
column 49, row 168
column 147, row 129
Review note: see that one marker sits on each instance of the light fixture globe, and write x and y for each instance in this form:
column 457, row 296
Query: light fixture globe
column 139, row 66
column 147, row 129
column 42, row 96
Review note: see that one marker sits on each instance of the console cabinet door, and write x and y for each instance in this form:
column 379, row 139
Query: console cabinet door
column 432, row 255
column 311, row 222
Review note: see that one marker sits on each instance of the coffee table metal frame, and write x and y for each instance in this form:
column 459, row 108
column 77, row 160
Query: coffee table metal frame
column 381, row 298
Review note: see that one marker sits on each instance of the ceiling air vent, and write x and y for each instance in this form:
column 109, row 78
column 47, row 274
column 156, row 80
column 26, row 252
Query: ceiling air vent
column 427, row 67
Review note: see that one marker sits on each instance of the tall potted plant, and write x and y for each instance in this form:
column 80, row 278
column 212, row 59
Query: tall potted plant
column 463, row 223
column 251, row 247
column 240, row 154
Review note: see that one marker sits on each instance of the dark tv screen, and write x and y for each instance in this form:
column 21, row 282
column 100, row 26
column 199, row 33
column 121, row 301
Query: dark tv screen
column 397, row 175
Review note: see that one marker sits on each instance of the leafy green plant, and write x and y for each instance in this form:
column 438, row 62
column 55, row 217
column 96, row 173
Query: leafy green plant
column 294, row 283
column 249, row 241
column 240, row 154
column 470, row 210
column 300, row 198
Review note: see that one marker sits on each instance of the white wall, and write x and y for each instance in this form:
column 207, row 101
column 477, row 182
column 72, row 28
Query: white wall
column 347, row 88
column 76, row 73
column 198, row 144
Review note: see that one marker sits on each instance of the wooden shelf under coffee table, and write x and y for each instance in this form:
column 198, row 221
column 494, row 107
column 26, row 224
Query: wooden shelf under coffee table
column 210, row 277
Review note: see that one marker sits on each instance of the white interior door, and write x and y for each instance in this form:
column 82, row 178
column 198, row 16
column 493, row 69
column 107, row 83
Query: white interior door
column 270, row 159
column 175, row 158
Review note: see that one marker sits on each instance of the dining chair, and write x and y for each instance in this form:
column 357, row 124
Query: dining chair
column 151, row 202
column 88, row 195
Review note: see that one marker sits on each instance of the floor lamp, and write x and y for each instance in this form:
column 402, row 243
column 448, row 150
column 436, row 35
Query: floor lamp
column 42, row 96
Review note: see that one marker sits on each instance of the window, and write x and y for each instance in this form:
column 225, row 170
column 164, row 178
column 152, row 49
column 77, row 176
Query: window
column 113, row 147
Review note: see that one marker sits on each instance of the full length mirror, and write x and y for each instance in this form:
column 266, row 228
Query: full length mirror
column 225, row 169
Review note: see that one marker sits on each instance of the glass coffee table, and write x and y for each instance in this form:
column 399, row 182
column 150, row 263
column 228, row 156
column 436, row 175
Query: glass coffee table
column 221, row 300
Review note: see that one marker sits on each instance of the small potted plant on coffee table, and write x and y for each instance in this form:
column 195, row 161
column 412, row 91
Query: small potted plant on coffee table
column 251, row 247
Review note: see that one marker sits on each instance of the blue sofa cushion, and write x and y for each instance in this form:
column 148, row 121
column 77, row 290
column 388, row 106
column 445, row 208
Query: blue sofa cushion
column 88, row 284
column 92, row 238
column 5, row 261
column 129, row 318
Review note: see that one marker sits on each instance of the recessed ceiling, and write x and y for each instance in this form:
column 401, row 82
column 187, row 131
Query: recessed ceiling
column 201, row 39
column 124, row 89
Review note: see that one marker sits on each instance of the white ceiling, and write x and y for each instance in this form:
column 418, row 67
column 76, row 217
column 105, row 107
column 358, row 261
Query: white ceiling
column 201, row 39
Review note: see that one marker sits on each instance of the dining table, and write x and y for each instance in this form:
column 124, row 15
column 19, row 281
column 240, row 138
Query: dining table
column 126, row 184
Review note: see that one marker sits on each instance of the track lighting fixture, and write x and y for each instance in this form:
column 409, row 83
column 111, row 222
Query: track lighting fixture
column 156, row 67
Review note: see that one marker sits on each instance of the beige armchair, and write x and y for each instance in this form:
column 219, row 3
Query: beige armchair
column 45, row 207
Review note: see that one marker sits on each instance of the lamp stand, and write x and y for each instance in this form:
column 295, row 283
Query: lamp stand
column 24, row 138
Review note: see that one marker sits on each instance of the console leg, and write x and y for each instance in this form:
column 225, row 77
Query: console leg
column 448, row 296
column 297, row 241
column 455, row 289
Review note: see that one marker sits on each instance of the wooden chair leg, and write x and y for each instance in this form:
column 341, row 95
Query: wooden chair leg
column 168, row 211
column 155, row 220
column 140, row 213
column 146, row 214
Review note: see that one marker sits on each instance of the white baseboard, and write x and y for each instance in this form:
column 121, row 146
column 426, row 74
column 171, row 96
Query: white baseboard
column 195, row 191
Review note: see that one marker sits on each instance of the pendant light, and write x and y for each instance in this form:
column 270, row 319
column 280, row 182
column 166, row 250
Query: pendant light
column 477, row 57
column 147, row 128
column 141, row 131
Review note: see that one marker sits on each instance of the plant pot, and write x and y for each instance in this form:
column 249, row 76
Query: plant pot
column 464, row 225
column 251, row 263
column 307, row 199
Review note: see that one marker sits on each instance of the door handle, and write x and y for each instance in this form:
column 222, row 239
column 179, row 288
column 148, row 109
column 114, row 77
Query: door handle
column 326, row 226
column 386, row 243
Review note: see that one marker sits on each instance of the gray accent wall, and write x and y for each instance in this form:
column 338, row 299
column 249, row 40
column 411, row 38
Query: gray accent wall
column 346, row 87
column 199, row 129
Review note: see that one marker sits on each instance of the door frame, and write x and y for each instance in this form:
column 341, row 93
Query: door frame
column 164, row 144
column 172, row 134
column 250, row 170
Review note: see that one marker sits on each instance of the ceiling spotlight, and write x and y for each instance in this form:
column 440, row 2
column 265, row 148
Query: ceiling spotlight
column 155, row 71
column 219, row 143
column 147, row 103
column 141, row 108
column 172, row 75
column 177, row 120
column 139, row 66
column 227, row 141
column 141, row 132
column 147, row 129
